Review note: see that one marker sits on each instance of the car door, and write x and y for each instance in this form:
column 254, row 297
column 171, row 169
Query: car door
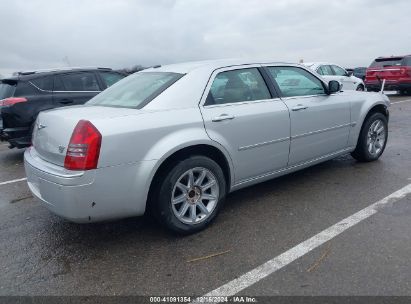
column 342, row 76
column 242, row 114
column 320, row 123
column 75, row 88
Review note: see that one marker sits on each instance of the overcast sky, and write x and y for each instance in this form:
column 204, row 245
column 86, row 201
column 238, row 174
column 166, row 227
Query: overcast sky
column 123, row 33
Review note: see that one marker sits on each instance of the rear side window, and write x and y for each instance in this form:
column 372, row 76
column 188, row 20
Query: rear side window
column 25, row 89
column 77, row 82
column 44, row 83
column 294, row 81
column 386, row 62
column 7, row 89
column 136, row 90
column 110, row 78
column 325, row 70
column 237, row 86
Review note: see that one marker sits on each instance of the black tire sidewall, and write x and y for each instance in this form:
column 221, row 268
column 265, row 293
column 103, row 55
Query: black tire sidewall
column 362, row 88
column 361, row 151
column 163, row 209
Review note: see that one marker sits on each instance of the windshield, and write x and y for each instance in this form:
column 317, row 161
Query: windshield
column 136, row 91
column 6, row 90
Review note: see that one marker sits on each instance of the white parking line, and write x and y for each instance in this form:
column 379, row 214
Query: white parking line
column 406, row 100
column 264, row 270
column 13, row 181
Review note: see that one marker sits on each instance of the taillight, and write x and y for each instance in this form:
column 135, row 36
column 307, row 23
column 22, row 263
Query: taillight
column 83, row 150
column 11, row 101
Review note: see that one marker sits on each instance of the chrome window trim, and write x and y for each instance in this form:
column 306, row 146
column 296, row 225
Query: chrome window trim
column 241, row 103
column 48, row 91
column 77, row 91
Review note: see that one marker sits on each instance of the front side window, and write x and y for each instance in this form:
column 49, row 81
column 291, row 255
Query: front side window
column 136, row 90
column 325, row 70
column 237, row 86
column 80, row 82
column 339, row 71
column 294, row 81
column 110, row 78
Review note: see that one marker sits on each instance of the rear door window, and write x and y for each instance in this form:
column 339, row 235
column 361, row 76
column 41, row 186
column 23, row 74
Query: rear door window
column 110, row 78
column 325, row 70
column 294, row 81
column 237, row 86
column 44, row 83
column 79, row 82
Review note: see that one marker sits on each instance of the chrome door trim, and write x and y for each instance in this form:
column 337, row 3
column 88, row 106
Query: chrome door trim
column 322, row 131
column 290, row 168
column 263, row 144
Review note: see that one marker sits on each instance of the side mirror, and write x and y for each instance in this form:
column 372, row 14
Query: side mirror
column 350, row 73
column 333, row 87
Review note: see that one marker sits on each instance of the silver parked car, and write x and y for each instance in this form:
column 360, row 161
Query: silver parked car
column 176, row 139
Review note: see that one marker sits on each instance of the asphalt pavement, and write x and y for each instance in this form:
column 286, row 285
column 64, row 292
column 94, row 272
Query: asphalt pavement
column 42, row 254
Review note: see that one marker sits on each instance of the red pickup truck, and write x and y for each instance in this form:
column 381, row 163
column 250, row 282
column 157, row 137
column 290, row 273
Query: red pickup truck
column 396, row 70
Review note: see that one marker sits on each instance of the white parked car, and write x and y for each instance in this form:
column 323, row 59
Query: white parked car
column 331, row 71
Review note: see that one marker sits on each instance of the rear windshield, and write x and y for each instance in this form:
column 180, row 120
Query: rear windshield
column 386, row 62
column 7, row 89
column 136, row 91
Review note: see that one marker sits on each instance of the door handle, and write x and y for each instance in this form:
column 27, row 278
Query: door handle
column 223, row 117
column 299, row 107
column 66, row 101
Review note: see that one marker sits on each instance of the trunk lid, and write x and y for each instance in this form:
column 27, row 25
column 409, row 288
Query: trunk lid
column 53, row 129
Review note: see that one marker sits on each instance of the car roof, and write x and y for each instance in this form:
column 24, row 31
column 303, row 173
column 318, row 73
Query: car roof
column 28, row 75
column 187, row 67
column 315, row 63
column 391, row 57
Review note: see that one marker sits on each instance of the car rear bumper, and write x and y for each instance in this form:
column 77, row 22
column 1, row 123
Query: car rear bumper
column 389, row 86
column 88, row 196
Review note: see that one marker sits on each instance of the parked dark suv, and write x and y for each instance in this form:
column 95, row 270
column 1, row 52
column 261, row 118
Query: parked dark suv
column 23, row 96
column 396, row 71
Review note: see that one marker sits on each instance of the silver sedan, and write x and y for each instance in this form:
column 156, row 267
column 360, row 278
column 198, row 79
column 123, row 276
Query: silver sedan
column 176, row 139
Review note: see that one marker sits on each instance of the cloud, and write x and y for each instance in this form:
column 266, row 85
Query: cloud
column 122, row 33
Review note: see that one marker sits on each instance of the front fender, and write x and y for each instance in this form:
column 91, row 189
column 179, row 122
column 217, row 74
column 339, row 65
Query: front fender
column 360, row 109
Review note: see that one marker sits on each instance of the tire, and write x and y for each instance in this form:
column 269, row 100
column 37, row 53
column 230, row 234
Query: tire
column 175, row 185
column 360, row 88
column 371, row 143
